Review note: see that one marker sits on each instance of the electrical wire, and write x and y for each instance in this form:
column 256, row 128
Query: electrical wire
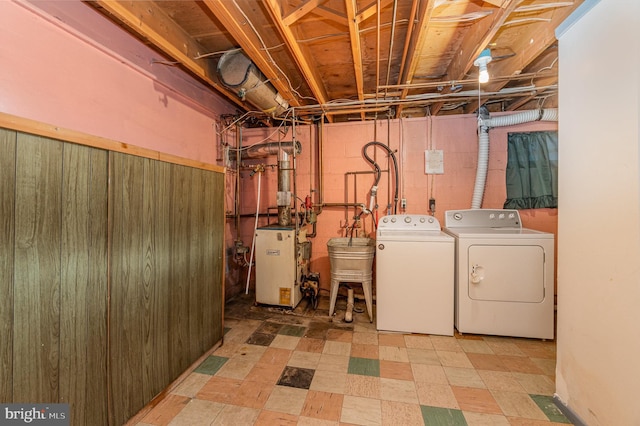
column 269, row 54
column 282, row 124
column 525, row 21
column 220, row 52
column 536, row 7
column 469, row 17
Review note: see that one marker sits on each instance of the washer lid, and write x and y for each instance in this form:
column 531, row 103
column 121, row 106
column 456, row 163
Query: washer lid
column 411, row 228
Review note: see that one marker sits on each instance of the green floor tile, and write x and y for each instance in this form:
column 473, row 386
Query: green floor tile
column 437, row 416
column 293, row 330
column 211, row 365
column 550, row 408
column 364, row 366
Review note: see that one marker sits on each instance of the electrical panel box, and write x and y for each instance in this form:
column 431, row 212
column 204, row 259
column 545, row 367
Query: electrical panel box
column 434, row 162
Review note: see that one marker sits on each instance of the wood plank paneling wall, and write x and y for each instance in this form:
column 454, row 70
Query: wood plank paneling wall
column 7, row 249
column 110, row 272
column 36, row 318
column 84, row 284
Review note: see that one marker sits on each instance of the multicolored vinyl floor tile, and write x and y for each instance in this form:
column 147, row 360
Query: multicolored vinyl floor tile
column 300, row 367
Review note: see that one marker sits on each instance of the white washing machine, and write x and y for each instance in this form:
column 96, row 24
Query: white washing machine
column 414, row 275
column 504, row 274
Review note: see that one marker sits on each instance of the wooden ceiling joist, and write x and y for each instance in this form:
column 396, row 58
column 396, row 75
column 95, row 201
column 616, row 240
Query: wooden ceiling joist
column 416, row 45
column 151, row 23
column 331, row 14
column 318, row 53
column 356, row 51
column 232, row 19
column 475, row 41
column 302, row 59
column 298, row 12
column 369, row 10
column 540, row 37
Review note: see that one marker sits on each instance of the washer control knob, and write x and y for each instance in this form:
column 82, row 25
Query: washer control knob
column 422, row 220
column 385, row 220
column 381, row 246
column 457, row 216
column 430, row 220
column 393, row 220
column 407, row 219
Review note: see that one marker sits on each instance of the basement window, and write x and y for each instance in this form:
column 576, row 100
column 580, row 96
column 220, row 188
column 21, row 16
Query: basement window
column 532, row 170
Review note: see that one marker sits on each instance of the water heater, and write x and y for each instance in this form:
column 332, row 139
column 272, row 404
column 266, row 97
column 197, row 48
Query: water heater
column 281, row 262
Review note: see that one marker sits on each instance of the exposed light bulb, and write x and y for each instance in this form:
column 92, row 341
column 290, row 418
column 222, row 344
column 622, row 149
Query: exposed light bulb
column 481, row 62
column 483, row 77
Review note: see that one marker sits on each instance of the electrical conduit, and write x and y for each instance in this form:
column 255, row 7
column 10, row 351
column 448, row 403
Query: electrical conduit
column 484, row 124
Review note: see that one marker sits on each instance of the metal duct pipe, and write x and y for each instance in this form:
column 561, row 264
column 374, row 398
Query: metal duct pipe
column 237, row 72
column 283, row 198
column 261, row 150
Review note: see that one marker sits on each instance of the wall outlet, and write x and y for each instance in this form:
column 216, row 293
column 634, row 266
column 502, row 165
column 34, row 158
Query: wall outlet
column 432, row 205
column 403, row 203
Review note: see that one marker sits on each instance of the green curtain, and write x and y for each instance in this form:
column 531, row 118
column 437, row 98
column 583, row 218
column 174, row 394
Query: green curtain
column 532, row 170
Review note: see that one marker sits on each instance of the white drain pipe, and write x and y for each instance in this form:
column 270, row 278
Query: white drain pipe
column 486, row 123
column 255, row 229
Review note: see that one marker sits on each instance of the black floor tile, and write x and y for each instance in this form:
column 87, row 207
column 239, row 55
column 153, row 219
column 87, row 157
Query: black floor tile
column 269, row 327
column 261, row 339
column 296, row 377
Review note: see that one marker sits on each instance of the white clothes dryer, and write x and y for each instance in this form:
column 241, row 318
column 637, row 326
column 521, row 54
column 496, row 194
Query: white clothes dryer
column 504, row 274
column 414, row 275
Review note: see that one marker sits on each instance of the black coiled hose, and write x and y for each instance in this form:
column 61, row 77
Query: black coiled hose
column 378, row 171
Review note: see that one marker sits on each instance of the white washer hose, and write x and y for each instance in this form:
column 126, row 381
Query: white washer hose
column 255, row 228
column 484, row 124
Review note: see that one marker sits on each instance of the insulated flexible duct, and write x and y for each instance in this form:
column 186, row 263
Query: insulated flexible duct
column 239, row 73
column 485, row 123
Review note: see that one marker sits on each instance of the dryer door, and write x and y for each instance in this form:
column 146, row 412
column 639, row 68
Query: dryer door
column 506, row 273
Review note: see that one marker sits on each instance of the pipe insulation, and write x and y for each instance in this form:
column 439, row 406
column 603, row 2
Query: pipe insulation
column 485, row 123
column 262, row 150
column 237, row 72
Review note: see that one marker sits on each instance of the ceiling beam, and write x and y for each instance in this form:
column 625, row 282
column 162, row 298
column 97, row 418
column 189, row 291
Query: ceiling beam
column 299, row 11
column 475, row 41
column 539, row 37
column 416, row 44
column 369, row 10
column 407, row 40
column 305, row 63
column 332, row 15
column 356, row 51
column 150, row 22
column 233, row 20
